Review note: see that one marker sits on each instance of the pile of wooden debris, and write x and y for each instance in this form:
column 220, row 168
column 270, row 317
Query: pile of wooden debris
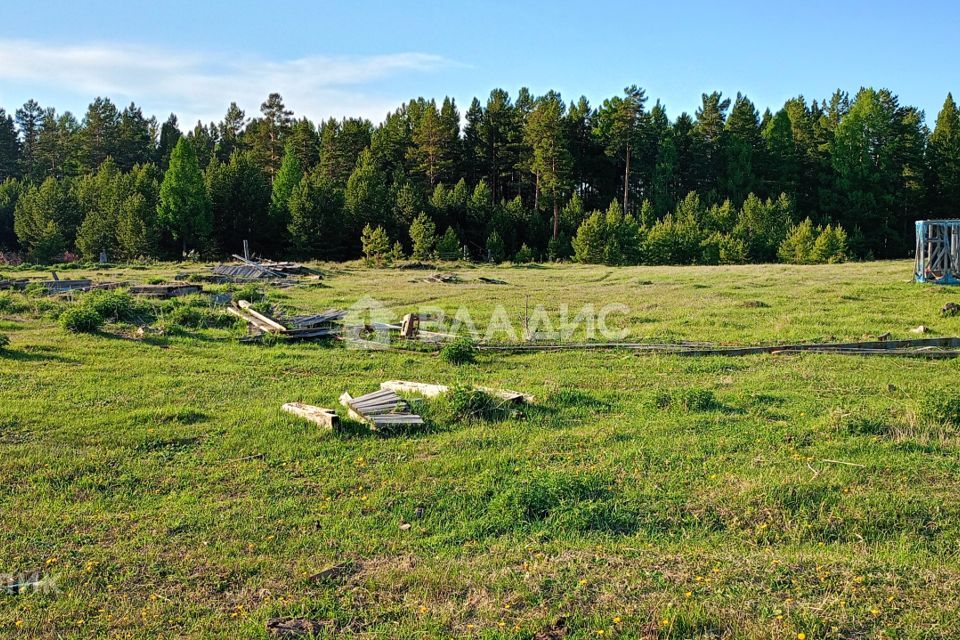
column 385, row 409
column 254, row 270
column 311, row 327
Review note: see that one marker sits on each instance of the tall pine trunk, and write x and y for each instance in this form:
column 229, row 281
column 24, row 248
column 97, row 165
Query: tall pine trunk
column 626, row 182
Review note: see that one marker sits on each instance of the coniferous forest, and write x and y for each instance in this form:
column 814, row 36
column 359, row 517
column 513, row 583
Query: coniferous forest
column 520, row 177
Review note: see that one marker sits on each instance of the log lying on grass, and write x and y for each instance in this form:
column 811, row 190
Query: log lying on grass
column 322, row 417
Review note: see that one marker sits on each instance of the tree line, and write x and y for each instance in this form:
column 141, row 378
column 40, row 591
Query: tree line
column 514, row 177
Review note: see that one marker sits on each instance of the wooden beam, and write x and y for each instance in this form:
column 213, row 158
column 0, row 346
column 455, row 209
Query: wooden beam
column 250, row 319
column 322, row 417
column 277, row 327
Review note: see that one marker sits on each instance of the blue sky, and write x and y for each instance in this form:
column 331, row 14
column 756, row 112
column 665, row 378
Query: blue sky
column 363, row 58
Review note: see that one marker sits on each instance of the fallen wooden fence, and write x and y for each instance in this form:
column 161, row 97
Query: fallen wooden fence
column 918, row 347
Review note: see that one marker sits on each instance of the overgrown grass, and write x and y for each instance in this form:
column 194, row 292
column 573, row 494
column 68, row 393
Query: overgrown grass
column 156, row 480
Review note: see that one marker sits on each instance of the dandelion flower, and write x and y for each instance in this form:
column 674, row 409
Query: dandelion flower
column 616, row 620
column 801, row 636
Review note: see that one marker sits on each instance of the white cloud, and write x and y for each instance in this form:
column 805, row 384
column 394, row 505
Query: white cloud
column 197, row 85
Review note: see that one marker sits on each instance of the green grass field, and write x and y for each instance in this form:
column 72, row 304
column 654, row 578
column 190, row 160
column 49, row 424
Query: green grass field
column 156, row 482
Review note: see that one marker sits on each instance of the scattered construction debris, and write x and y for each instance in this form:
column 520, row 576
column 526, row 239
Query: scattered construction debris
column 434, row 390
column 920, row 329
column 171, row 290
column 448, row 278
column 252, row 270
column 322, row 325
column 491, row 280
column 322, row 417
column 950, row 309
column 380, row 409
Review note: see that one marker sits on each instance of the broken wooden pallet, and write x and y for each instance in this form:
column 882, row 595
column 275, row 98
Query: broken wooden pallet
column 380, row 409
column 434, row 390
column 322, row 417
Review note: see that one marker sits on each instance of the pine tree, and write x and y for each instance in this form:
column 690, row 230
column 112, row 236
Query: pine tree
column 375, row 244
column 448, row 246
column 184, row 206
column 9, row 148
column 797, row 247
column 423, row 234
column 230, row 132
column 496, row 251
column 367, row 197
column 10, row 191
column 316, row 218
column 135, row 143
column 546, row 134
column 29, row 120
column 99, row 134
column 286, row 180
column 239, row 193
column 943, row 158
column 618, row 124
column 267, row 134
column 46, row 220
column 170, row 134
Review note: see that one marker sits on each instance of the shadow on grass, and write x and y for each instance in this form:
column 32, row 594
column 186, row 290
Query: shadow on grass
column 31, row 355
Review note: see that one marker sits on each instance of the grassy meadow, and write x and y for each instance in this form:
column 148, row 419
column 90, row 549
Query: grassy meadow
column 154, row 481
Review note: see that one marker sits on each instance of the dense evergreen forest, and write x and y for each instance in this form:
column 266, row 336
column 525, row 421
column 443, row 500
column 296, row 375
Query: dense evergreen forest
column 524, row 177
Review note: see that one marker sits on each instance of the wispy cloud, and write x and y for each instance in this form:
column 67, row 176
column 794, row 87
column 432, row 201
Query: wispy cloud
column 197, row 85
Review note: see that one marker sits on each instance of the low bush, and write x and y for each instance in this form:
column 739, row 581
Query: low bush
column 460, row 351
column 470, row 403
column 4, row 341
column 109, row 305
column 80, row 319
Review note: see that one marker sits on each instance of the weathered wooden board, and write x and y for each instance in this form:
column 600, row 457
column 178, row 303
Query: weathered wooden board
column 276, row 327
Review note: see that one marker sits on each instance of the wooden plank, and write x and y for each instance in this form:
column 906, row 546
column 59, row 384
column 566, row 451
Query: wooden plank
column 322, row 417
column 277, row 327
column 249, row 319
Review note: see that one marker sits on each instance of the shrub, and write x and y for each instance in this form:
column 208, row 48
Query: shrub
column 376, row 245
column 80, row 319
column 468, row 402
column 448, row 246
column 248, row 292
column 495, row 247
column 10, row 304
column 187, row 316
column 4, row 341
column 524, row 254
column 113, row 305
column 460, row 351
